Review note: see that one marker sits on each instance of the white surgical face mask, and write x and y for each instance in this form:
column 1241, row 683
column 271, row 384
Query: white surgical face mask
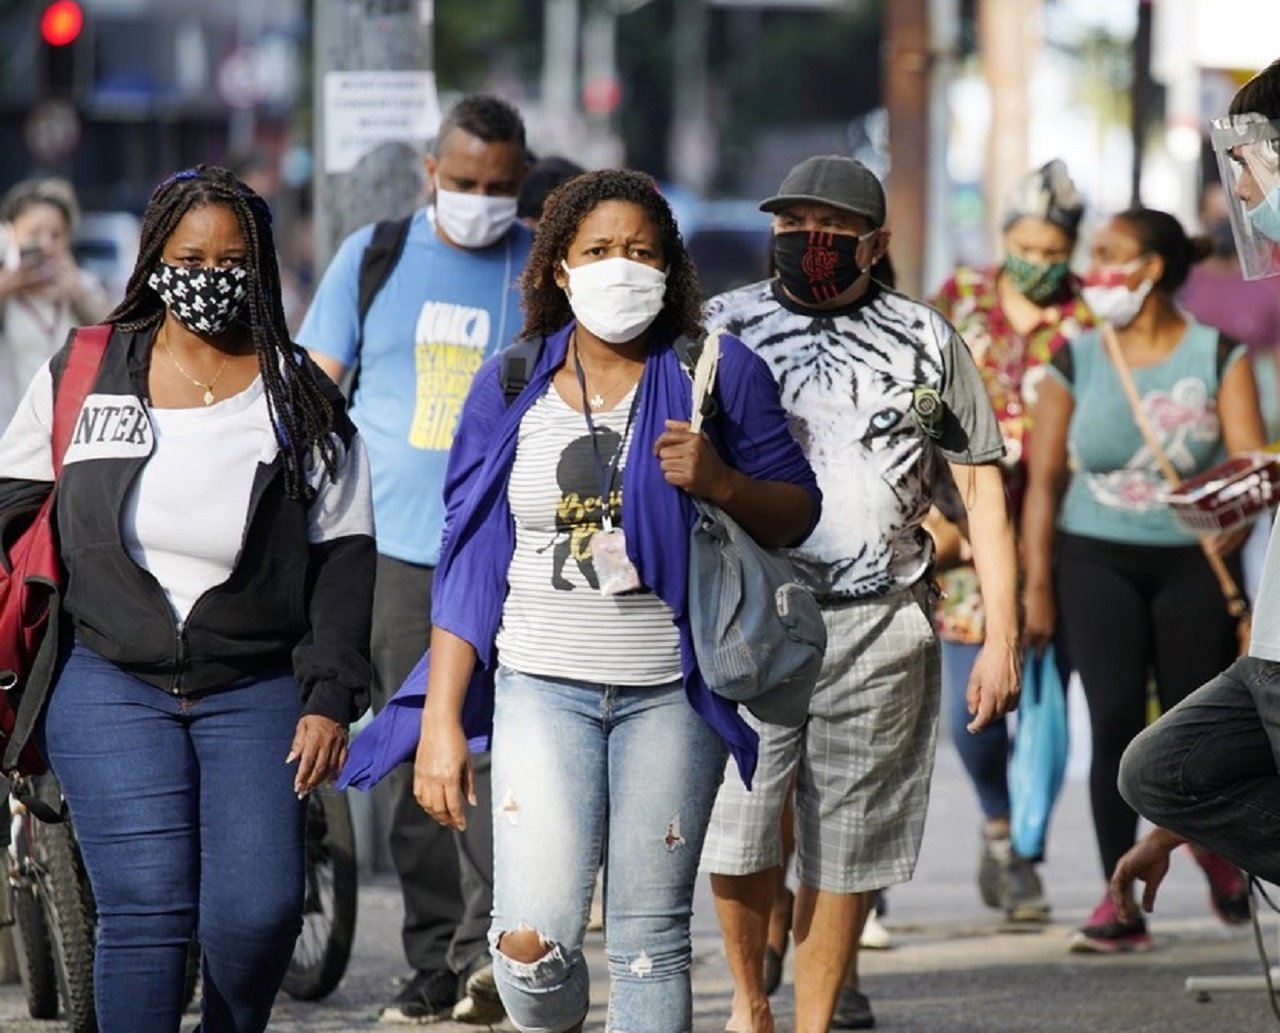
column 473, row 220
column 1110, row 298
column 616, row 299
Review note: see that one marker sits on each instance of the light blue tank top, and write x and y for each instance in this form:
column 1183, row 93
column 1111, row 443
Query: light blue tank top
column 1115, row 481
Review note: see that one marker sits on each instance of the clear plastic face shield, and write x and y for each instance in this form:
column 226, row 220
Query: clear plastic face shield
column 1248, row 151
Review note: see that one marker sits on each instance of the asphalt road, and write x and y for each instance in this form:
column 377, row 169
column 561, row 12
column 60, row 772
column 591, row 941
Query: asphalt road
column 954, row 966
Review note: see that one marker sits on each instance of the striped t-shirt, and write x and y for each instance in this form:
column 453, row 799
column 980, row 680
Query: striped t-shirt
column 555, row 622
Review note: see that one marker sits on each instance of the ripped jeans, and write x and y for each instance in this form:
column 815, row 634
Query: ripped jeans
column 584, row 774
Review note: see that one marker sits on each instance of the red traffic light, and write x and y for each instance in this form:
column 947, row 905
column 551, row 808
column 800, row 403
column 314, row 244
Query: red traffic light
column 61, row 23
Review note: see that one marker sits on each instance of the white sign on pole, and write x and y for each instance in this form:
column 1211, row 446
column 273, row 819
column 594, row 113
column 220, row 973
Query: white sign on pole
column 365, row 109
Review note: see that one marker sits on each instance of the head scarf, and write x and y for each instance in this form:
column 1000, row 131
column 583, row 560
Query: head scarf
column 1046, row 193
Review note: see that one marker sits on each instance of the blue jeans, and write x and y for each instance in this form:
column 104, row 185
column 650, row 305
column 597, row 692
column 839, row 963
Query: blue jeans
column 188, row 823
column 582, row 774
column 1207, row 769
column 985, row 755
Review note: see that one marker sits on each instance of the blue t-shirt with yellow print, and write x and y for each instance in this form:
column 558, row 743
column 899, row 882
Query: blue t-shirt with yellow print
column 441, row 313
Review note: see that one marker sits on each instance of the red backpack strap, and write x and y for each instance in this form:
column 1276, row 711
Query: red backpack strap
column 83, row 362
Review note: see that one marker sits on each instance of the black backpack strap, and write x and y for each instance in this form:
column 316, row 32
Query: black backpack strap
column 378, row 259
column 517, row 367
column 380, row 256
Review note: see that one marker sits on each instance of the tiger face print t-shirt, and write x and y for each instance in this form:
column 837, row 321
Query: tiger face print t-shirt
column 859, row 384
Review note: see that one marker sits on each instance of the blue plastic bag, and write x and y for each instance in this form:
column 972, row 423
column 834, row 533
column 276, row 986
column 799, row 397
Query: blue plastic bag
column 1039, row 754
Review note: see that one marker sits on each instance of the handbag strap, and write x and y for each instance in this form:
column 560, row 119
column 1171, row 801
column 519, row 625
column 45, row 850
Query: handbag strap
column 1237, row 605
column 83, row 362
column 704, row 377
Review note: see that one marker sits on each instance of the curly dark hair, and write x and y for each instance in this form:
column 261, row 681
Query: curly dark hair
column 301, row 412
column 545, row 304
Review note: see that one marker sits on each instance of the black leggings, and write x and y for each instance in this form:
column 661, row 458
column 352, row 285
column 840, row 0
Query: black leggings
column 1129, row 612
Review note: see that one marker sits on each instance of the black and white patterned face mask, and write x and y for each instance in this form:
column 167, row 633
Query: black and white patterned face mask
column 205, row 301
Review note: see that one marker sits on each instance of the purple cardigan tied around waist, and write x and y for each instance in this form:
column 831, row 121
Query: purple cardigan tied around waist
column 470, row 583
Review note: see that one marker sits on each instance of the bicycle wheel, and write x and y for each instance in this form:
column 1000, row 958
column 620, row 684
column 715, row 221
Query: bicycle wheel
column 72, row 920
column 35, row 953
column 329, row 909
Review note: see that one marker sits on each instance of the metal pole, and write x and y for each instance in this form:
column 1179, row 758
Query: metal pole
column 944, row 42
column 1144, row 101
column 366, row 36
column 1008, row 42
column 906, row 91
column 560, row 60
column 692, row 136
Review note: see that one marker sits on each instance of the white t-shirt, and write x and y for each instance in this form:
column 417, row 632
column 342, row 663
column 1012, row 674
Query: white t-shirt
column 555, row 622
column 184, row 515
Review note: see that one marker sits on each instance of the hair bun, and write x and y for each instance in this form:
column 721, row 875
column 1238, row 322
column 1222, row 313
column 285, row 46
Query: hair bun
column 1199, row 248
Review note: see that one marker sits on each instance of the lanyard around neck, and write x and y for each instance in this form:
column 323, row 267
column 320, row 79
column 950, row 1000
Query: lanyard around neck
column 608, row 475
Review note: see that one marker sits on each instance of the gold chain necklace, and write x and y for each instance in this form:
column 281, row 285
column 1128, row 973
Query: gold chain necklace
column 208, row 396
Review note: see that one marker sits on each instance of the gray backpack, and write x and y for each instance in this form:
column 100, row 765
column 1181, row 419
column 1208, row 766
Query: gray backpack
column 757, row 632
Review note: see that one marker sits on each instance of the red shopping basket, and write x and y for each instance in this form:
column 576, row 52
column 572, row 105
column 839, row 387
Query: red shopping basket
column 1227, row 496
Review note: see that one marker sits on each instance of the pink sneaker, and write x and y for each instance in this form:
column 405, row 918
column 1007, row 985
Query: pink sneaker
column 1104, row 933
column 1228, row 889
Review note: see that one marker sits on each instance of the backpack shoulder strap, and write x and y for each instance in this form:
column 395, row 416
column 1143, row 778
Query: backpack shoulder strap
column 517, row 367
column 88, row 345
column 380, row 256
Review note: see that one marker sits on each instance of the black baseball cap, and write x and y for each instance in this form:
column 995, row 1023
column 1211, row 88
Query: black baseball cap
column 832, row 179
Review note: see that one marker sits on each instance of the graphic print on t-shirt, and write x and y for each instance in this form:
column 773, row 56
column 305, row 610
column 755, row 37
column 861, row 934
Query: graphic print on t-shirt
column 580, row 508
column 848, row 381
column 449, row 346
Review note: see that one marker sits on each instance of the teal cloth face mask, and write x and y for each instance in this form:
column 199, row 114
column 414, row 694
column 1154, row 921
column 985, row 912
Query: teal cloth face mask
column 1265, row 218
column 1039, row 282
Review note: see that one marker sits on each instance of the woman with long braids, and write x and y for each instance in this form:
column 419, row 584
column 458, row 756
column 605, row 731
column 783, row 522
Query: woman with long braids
column 214, row 521
column 565, row 569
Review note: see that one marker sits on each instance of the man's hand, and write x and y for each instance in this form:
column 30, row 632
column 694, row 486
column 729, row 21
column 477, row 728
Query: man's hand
column 689, row 462
column 1148, row 862
column 995, row 683
column 320, row 748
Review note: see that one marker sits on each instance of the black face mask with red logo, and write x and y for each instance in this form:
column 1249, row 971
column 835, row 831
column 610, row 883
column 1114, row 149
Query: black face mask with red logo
column 815, row 266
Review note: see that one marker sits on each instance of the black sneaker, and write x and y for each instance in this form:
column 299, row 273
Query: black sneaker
column 427, row 997
column 853, row 1011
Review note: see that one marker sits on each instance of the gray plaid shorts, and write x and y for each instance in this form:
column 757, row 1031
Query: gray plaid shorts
column 861, row 763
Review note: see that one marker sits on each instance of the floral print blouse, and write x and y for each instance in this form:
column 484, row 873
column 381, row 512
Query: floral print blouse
column 1012, row 366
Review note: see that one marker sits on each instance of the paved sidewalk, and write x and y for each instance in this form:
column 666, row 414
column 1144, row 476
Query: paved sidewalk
column 954, row 967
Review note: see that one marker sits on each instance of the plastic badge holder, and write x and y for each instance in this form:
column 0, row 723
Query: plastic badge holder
column 1227, row 496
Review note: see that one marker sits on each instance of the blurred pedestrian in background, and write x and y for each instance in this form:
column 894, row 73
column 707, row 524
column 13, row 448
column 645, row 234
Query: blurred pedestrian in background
column 43, row 294
column 1135, row 596
column 218, row 538
column 545, row 175
column 1014, row 317
column 880, row 390
column 449, row 301
column 567, row 554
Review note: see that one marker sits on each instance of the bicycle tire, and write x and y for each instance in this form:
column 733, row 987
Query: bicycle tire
column 35, row 953
column 72, row 919
column 323, row 948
